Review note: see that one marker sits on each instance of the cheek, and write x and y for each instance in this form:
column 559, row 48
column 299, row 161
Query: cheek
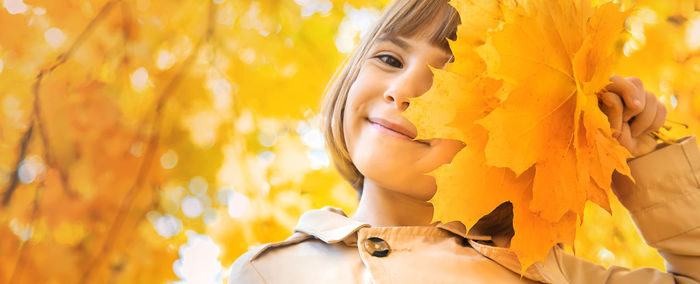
column 350, row 131
column 396, row 164
column 354, row 113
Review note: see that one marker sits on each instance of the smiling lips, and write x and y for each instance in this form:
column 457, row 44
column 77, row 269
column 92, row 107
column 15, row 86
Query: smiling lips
column 396, row 129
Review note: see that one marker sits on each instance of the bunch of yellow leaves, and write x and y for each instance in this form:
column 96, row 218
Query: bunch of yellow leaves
column 522, row 96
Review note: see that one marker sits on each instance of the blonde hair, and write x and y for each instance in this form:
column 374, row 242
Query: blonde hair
column 400, row 18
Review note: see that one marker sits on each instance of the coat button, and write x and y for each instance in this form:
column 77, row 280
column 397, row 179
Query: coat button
column 376, row 247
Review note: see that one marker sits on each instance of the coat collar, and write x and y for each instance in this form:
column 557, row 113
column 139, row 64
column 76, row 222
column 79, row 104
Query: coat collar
column 332, row 225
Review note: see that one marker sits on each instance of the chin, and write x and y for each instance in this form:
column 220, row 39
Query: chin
column 423, row 189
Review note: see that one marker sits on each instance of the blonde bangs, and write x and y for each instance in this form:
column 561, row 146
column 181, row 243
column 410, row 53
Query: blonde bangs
column 415, row 19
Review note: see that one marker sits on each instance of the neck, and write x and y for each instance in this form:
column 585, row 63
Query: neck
column 382, row 207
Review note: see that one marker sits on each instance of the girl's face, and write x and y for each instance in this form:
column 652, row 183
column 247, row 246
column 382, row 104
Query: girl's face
column 378, row 139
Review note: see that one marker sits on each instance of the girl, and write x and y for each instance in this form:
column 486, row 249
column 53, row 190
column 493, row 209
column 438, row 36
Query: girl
column 389, row 239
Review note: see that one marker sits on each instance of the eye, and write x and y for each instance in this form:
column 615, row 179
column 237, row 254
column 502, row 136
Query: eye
column 390, row 60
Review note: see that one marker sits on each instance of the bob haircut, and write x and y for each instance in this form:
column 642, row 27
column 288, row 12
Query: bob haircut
column 400, row 18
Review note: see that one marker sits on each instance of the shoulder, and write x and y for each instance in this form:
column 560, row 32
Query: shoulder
column 323, row 241
column 301, row 258
column 244, row 271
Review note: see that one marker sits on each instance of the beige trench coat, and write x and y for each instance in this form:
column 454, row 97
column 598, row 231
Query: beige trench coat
column 328, row 247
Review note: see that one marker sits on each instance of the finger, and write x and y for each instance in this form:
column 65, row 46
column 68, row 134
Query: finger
column 632, row 96
column 659, row 118
column 612, row 107
column 626, row 139
column 645, row 143
column 637, row 82
column 644, row 120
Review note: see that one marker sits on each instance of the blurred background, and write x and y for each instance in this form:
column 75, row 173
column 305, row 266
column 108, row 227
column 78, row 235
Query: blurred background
column 146, row 141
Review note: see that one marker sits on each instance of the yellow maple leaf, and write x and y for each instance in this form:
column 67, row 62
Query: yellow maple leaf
column 528, row 114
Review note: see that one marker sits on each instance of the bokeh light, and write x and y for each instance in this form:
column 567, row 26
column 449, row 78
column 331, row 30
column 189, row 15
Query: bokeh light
column 31, row 169
column 54, row 37
column 692, row 37
column 198, row 262
column 169, row 159
column 139, row 79
column 237, row 204
column 15, row 6
column 176, row 137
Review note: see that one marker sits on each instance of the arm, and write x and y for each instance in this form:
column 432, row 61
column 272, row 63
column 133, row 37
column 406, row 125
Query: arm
column 665, row 200
column 665, row 205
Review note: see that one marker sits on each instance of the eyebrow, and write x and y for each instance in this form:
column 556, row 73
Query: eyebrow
column 395, row 40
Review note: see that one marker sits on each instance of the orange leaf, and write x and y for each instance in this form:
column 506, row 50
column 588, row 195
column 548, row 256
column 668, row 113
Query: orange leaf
column 529, row 117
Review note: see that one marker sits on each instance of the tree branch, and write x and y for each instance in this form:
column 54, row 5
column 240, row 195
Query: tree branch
column 150, row 149
column 36, row 115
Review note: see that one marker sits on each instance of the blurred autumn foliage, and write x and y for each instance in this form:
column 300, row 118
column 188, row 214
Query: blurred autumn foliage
column 149, row 141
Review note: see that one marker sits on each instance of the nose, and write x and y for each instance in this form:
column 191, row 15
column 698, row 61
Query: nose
column 411, row 83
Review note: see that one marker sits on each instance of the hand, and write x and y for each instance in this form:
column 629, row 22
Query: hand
column 633, row 113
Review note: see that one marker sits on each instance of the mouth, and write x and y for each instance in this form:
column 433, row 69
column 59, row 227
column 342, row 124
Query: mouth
column 394, row 130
